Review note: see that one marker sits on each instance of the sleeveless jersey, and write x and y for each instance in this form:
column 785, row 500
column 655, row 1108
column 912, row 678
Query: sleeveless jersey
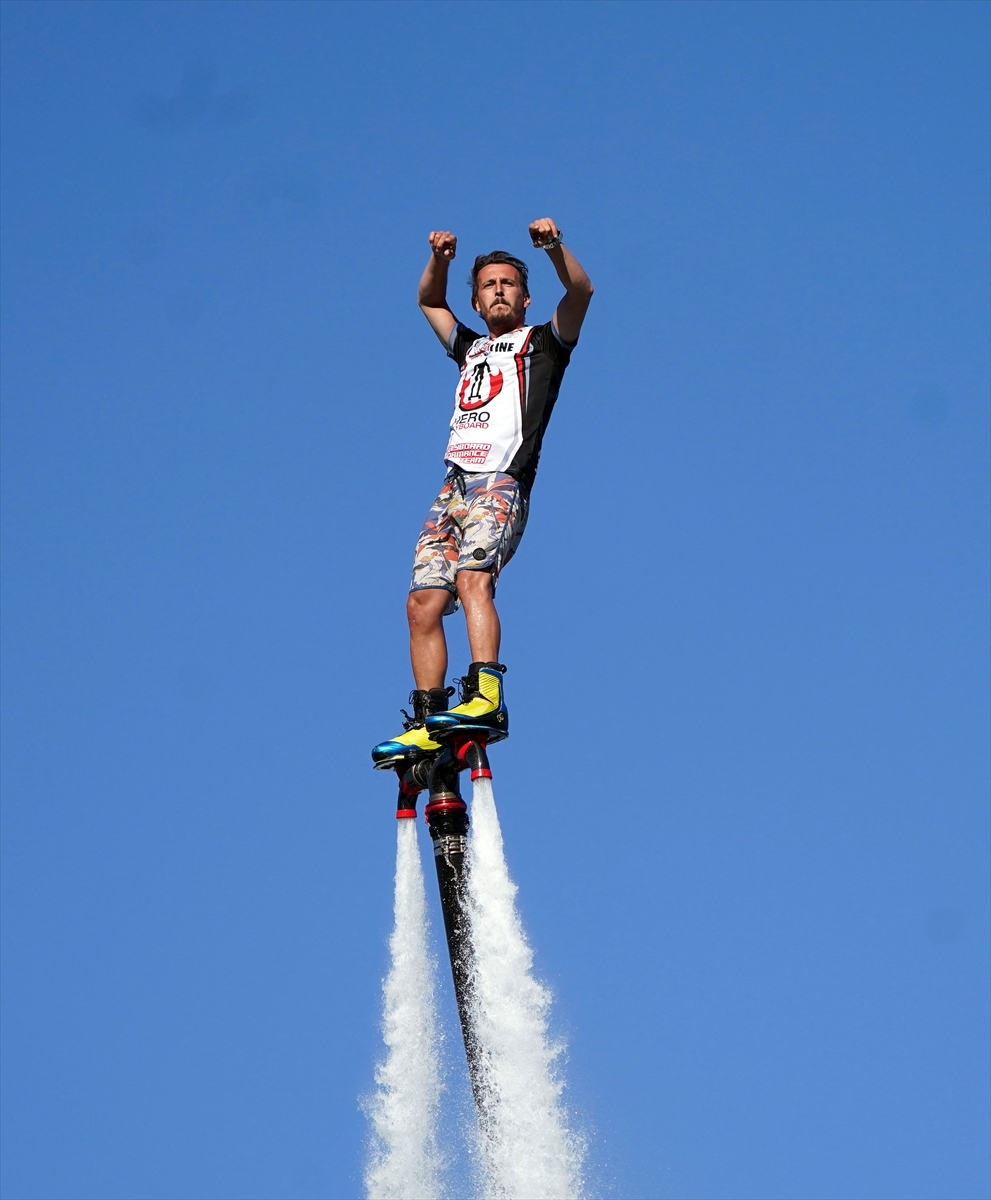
column 504, row 399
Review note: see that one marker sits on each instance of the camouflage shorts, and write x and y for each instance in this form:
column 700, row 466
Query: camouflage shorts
column 475, row 524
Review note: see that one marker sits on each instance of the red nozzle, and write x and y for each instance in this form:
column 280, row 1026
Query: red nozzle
column 472, row 754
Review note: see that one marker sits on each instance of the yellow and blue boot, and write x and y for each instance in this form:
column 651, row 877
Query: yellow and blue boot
column 415, row 742
column 482, row 709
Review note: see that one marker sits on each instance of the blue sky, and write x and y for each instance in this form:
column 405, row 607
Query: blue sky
column 745, row 798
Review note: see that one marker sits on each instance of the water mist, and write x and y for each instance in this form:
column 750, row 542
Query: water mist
column 405, row 1161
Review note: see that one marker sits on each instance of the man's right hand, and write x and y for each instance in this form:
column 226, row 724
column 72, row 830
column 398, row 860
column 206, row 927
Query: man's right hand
column 444, row 245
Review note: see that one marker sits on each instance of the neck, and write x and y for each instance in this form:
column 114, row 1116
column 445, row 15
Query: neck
column 500, row 328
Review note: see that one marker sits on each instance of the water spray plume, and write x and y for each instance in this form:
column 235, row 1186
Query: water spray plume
column 526, row 1146
column 405, row 1161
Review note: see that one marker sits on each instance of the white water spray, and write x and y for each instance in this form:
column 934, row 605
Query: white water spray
column 527, row 1148
column 405, row 1162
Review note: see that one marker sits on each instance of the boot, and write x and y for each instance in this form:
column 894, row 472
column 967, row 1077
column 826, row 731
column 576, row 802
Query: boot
column 482, row 708
column 415, row 742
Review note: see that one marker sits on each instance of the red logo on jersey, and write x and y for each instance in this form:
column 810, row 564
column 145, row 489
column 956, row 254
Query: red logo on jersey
column 473, row 385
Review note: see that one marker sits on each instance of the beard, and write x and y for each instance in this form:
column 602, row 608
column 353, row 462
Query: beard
column 502, row 312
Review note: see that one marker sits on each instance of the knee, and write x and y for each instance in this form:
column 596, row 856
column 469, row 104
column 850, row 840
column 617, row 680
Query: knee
column 425, row 607
column 474, row 585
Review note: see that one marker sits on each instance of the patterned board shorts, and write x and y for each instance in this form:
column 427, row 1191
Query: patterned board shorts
column 475, row 524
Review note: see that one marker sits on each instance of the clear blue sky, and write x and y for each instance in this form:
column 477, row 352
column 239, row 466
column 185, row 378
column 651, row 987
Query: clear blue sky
column 746, row 794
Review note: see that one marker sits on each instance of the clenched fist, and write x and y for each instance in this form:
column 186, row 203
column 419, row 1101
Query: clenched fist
column 444, row 245
column 543, row 231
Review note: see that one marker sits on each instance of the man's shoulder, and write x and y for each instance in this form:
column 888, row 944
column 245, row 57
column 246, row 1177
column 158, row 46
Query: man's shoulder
column 461, row 341
column 546, row 338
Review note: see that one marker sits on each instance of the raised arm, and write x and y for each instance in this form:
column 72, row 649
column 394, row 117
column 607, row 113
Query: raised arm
column 577, row 285
column 432, row 296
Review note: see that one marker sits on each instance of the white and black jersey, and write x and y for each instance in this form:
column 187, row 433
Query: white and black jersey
column 505, row 397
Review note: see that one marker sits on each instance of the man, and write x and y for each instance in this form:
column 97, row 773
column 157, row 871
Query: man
column 509, row 383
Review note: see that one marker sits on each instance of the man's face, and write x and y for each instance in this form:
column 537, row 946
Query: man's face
column 500, row 296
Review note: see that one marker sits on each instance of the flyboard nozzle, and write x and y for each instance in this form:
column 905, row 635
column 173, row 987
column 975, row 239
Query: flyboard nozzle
column 412, row 781
column 473, row 755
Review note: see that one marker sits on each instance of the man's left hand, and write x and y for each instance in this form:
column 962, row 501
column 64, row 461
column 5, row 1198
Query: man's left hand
column 543, row 230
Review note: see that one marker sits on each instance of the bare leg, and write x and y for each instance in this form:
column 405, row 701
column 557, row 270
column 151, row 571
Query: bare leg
column 427, row 644
column 484, row 631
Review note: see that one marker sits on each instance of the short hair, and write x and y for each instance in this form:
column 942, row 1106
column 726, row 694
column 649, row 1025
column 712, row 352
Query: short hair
column 498, row 256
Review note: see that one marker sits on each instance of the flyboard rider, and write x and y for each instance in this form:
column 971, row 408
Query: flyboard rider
column 509, row 382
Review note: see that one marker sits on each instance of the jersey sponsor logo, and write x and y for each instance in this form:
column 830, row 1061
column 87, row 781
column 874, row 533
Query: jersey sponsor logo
column 470, row 394
column 472, row 420
column 484, row 346
column 470, row 453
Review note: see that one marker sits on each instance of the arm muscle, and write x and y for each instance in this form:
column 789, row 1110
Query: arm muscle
column 577, row 296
